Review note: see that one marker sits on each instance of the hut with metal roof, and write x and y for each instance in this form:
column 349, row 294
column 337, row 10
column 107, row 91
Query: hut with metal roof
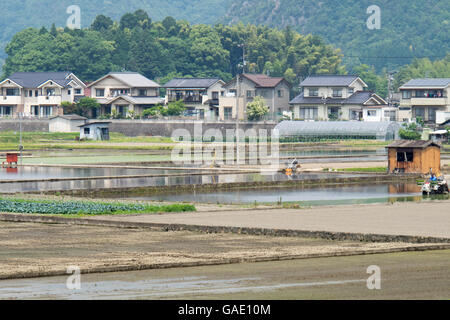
column 414, row 156
column 322, row 130
column 66, row 123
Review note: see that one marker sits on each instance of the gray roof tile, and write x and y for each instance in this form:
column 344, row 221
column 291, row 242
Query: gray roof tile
column 427, row 82
column 191, row 83
column 328, row 80
column 35, row 79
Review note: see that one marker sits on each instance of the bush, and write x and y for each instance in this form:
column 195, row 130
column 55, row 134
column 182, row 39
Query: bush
column 410, row 132
column 257, row 109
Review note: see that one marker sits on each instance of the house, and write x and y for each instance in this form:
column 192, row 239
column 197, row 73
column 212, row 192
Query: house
column 97, row 130
column 425, row 98
column 339, row 97
column 124, row 93
column 274, row 90
column 38, row 94
column 414, row 156
column 200, row 95
column 66, row 123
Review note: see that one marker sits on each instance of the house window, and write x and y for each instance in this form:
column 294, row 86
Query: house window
column 313, row 92
column 406, row 94
column 77, row 91
column 46, row 111
column 50, row 92
column 69, row 92
column 13, row 92
column 35, row 111
column 100, row 92
column 5, row 111
column 333, row 113
column 249, row 93
column 405, row 156
column 142, row 92
column 228, row 113
column 87, row 130
column 232, row 92
column 337, row 93
column 215, row 95
column 280, row 93
column 222, row 93
column 30, row 93
column 36, row 93
column 309, row 113
column 351, row 91
column 372, row 113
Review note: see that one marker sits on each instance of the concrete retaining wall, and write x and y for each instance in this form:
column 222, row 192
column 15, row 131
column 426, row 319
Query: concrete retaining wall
column 27, row 125
column 134, row 128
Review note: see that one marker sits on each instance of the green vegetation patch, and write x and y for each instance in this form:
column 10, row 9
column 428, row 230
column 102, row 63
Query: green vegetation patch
column 373, row 169
column 85, row 207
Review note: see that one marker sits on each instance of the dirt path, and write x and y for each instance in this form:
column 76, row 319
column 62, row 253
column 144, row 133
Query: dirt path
column 34, row 249
column 423, row 219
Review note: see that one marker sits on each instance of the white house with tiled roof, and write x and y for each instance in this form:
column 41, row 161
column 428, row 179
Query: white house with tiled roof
column 125, row 92
column 339, row 97
column 426, row 98
column 38, row 94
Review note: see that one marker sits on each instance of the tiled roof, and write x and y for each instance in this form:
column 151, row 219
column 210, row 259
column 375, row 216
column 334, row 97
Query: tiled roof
column 197, row 83
column 134, row 79
column 428, row 82
column 413, row 144
column 262, row 80
column 35, row 79
column 328, row 81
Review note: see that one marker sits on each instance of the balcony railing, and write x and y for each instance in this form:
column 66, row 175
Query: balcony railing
column 191, row 99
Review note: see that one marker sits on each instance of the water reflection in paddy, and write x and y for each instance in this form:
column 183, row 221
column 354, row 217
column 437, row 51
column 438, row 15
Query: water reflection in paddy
column 157, row 181
column 314, row 196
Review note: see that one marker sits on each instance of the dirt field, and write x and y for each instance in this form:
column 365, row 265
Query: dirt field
column 33, row 249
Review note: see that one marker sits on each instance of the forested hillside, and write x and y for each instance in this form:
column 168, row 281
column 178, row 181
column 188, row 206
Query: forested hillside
column 409, row 28
column 161, row 50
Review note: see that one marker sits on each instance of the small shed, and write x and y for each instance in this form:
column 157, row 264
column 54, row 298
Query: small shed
column 439, row 135
column 98, row 130
column 414, row 156
column 66, row 123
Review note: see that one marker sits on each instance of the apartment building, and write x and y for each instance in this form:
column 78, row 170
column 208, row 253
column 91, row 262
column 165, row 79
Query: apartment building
column 38, row 94
column 274, row 90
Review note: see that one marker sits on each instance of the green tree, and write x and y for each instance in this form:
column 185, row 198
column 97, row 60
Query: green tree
column 257, row 109
column 102, row 23
column 86, row 105
column 410, row 132
column 175, row 108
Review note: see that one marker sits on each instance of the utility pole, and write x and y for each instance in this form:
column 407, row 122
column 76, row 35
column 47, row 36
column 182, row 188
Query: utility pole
column 20, row 136
column 238, row 94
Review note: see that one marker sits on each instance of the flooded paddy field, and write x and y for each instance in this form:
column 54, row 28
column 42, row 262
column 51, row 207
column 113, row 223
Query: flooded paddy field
column 162, row 178
column 309, row 195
